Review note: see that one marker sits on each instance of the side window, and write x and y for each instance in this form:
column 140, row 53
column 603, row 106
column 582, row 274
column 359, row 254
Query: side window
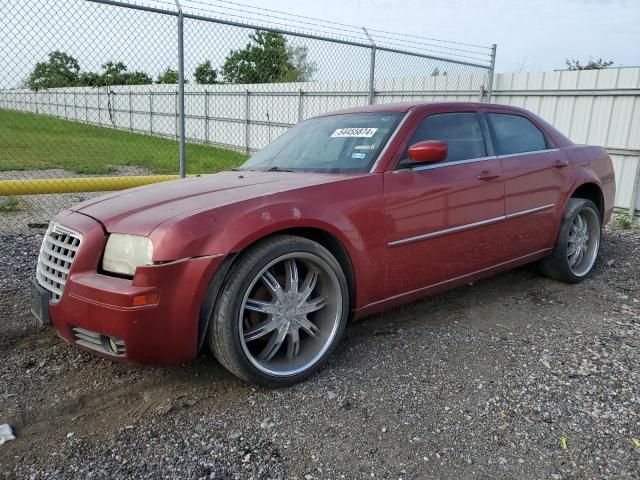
column 461, row 132
column 515, row 134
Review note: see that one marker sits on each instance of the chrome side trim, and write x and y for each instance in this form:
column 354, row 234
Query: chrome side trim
column 473, row 160
column 383, row 152
column 446, row 231
column 468, row 226
column 445, row 164
column 533, row 152
column 531, row 210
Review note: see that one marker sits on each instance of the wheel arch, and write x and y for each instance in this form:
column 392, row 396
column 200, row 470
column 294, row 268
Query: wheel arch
column 590, row 191
column 318, row 235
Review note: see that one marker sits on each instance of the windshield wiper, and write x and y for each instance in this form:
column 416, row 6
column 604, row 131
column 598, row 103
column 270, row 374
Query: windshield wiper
column 277, row 169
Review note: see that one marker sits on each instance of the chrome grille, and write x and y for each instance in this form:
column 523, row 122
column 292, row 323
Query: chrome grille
column 98, row 342
column 57, row 252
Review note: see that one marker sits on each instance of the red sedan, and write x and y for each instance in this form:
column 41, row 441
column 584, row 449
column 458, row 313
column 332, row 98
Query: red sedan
column 344, row 215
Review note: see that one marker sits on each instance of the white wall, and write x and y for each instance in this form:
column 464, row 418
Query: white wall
column 599, row 107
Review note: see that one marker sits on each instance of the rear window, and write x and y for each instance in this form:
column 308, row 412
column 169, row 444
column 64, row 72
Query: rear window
column 515, row 134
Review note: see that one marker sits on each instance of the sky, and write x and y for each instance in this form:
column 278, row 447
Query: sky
column 532, row 35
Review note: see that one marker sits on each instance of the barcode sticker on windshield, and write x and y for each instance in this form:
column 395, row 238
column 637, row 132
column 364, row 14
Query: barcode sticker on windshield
column 354, row 132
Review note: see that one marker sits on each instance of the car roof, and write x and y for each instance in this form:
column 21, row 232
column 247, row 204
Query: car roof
column 420, row 105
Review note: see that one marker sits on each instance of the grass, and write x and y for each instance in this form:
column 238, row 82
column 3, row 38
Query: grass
column 625, row 222
column 10, row 204
column 36, row 142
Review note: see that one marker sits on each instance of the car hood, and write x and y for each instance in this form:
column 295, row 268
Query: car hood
column 140, row 210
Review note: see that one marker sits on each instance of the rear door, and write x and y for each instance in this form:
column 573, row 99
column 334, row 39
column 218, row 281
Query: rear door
column 443, row 220
column 534, row 173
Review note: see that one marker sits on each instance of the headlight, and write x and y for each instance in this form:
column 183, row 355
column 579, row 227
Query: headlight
column 124, row 253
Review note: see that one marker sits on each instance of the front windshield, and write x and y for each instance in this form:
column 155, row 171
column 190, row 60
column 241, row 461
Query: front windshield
column 334, row 144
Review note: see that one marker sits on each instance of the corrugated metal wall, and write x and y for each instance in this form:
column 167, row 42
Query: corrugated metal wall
column 599, row 107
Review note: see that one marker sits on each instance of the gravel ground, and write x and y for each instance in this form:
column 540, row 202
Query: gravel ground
column 516, row 376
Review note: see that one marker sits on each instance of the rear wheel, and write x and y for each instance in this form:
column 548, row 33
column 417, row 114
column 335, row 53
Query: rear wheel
column 577, row 245
column 281, row 313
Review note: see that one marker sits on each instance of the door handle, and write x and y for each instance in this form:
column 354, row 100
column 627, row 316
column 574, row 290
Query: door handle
column 488, row 175
column 560, row 163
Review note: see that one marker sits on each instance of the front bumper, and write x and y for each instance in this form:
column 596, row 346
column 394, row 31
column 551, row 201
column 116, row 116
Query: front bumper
column 162, row 330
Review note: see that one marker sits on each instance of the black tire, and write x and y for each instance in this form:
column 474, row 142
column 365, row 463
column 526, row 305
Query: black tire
column 557, row 265
column 225, row 337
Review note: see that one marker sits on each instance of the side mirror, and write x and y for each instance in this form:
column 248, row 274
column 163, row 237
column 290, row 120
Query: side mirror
column 429, row 151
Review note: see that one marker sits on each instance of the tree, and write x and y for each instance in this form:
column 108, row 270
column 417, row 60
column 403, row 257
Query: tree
column 436, row 72
column 89, row 79
column 205, row 74
column 266, row 59
column 113, row 73
column 61, row 70
column 302, row 68
column 168, row 76
column 591, row 64
column 116, row 73
column 138, row 78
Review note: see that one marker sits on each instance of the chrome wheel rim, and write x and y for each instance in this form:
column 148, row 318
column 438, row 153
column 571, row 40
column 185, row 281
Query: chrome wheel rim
column 290, row 314
column 584, row 241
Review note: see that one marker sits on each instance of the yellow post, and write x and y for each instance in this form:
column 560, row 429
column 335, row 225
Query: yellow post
column 41, row 186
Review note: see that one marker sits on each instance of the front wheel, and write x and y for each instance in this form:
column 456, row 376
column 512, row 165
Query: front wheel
column 577, row 245
column 281, row 313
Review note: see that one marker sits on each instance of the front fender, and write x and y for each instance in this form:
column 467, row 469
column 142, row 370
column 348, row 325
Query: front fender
column 351, row 211
column 241, row 232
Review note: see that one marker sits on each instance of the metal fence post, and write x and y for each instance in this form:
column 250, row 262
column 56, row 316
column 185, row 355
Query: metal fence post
column 181, row 123
column 151, row 112
column 130, row 114
column 246, row 121
column 372, row 69
column 492, row 72
column 300, row 111
column 634, row 191
column 206, row 117
column 482, row 93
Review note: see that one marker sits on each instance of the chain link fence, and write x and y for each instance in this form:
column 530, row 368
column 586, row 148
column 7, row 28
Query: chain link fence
column 100, row 95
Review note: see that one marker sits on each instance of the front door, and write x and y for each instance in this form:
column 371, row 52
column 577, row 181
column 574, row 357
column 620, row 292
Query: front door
column 444, row 220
